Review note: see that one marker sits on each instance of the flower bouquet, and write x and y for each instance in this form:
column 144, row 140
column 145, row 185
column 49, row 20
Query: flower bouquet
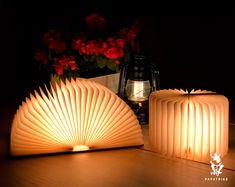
column 89, row 54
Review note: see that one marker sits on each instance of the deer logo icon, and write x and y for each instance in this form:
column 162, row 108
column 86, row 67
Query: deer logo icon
column 216, row 164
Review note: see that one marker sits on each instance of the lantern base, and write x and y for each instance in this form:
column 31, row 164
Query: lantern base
column 141, row 111
column 142, row 116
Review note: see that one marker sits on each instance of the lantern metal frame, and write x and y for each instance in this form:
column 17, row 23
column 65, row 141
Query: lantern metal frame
column 130, row 71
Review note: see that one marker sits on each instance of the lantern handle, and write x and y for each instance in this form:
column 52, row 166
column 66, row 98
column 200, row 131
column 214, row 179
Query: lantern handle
column 154, row 77
column 122, row 81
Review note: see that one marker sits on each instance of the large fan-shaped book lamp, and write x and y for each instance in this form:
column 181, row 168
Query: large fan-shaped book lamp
column 189, row 125
column 78, row 115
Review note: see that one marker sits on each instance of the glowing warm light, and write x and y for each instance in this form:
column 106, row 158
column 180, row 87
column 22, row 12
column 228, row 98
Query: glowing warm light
column 188, row 125
column 81, row 148
column 77, row 115
column 138, row 90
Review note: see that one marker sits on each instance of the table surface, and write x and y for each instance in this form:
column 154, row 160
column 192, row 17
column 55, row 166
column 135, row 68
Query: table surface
column 137, row 166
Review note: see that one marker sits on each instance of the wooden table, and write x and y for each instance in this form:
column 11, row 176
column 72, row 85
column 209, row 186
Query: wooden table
column 121, row 167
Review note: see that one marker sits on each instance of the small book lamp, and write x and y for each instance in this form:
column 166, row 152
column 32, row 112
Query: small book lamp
column 189, row 125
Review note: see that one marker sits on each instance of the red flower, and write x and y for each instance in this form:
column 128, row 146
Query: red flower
column 54, row 41
column 95, row 22
column 114, row 53
column 93, row 50
column 121, row 43
column 117, row 62
column 114, row 49
column 91, row 47
column 64, row 62
column 78, row 42
column 41, row 56
column 129, row 34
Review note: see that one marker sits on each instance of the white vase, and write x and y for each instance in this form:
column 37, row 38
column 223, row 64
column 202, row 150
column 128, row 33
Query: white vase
column 111, row 81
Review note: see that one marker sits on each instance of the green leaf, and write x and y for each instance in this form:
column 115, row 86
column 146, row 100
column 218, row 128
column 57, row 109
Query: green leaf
column 88, row 62
column 101, row 62
column 90, row 58
column 112, row 65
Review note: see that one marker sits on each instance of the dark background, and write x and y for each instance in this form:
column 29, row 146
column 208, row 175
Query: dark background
column 192, row 45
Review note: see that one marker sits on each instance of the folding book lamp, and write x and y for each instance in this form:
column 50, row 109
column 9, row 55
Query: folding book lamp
column 78, row 115
column 189, row 125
